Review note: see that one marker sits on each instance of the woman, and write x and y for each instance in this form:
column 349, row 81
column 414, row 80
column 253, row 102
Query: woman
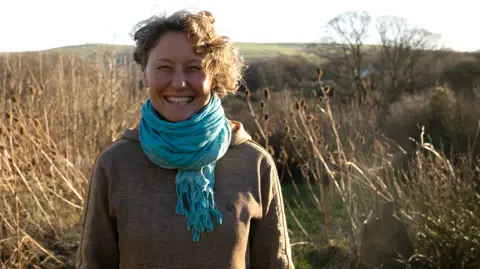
column 187, row 188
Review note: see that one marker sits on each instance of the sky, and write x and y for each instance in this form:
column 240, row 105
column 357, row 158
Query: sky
column 30, row 25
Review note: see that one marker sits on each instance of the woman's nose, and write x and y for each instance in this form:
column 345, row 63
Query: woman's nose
column 178, row 80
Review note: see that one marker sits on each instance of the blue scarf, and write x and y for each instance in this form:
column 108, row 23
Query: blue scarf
column 193, row 147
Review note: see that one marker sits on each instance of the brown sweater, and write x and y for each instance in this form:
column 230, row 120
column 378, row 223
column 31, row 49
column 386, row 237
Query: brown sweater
column 129, row 218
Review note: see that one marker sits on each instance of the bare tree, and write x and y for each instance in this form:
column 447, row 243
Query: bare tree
column 402, row 47
column 345, row 37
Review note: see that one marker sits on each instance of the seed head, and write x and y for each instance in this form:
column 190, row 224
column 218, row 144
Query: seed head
column 265, row 117
column 319, row 73
column 32, row 90
column 303, row 102
column 314, row 93
column 247, row 93
column 283, row 154
column 256, row 137
column 262, row 104
column 267, row 93
column 287, row 129
column 271, row 151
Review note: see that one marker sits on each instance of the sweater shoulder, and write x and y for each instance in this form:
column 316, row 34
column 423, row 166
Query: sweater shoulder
column 118, row 148
column 252, row 149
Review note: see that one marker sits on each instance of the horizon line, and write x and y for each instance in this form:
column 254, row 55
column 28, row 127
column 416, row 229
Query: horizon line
column 235, row 42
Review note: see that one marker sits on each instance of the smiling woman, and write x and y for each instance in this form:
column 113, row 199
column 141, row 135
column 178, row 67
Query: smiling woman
column 187, row 187
column 178, row 84
column 184, row 64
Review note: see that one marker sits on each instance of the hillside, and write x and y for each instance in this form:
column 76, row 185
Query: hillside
column 250, row 51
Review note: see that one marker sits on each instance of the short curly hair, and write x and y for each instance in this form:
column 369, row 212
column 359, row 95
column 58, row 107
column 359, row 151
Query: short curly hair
column 222, row 59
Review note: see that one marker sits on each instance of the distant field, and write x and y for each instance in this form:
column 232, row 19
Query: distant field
column 253, row 51
column 250, row 51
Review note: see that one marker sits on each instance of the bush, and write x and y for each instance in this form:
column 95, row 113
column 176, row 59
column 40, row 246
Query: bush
column 436, row 196
column 451, row 121
column 280, row 72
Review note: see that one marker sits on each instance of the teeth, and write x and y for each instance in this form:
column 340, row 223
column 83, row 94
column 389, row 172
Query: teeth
column 179, row 99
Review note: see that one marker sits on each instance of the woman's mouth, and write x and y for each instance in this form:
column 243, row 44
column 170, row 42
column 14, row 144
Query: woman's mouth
column 184, row 100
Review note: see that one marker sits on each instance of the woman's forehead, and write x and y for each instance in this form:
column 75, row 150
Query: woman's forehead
column 175, row 47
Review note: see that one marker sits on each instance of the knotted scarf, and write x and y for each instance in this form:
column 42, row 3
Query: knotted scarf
column 192, row 146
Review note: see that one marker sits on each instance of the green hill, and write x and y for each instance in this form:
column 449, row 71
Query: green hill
column 92, row 48
column 253, row 51
column 250, row 51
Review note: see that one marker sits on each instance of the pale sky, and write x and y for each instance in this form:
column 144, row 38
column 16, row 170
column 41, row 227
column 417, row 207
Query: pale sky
column 27, row 25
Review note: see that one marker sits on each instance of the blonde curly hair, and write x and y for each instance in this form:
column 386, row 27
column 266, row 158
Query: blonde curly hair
column 222, row 59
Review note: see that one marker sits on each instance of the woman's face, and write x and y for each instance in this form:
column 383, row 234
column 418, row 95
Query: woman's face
column 179, row 85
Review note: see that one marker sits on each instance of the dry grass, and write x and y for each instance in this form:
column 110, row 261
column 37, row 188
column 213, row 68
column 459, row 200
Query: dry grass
column 59, row 111
column 346, row 159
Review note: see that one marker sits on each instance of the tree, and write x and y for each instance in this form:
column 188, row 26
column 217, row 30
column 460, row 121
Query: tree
column 402, row 47
column 345, row 37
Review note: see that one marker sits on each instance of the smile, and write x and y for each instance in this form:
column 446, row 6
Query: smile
column 184, row 100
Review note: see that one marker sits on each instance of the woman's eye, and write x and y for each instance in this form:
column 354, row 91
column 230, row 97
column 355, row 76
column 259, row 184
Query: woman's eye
column 164, row 67
column 194, row 68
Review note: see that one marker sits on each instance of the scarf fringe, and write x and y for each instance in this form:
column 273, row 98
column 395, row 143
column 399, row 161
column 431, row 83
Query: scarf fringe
column 201, row 205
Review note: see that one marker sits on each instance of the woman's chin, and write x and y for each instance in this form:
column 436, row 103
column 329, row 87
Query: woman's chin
column 176, row 112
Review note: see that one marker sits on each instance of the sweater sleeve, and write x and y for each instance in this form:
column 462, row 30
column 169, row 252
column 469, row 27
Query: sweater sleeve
column 270, row 245
column 98, row 246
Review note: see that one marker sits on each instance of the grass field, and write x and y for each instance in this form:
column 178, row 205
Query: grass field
column 250, row 51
